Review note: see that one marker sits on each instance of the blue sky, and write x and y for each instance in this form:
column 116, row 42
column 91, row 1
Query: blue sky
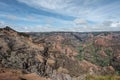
column 60, row 15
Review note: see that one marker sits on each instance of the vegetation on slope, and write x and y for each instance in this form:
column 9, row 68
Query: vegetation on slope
column 97, row 55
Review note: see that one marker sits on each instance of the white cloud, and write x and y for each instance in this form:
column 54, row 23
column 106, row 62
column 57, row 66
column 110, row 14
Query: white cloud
column 37, row 28
column 115, row 24
column 87, row 9
column 46, row 4
column 71, row 7
column 12, row 17
column 80, row 21
column 83, row 10
column 2, row 23
column 111, row 24
column 74, row 28
column 22, row 18
column 67, row 26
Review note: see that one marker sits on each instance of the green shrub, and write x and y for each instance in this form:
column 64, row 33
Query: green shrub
column 24, row 34
column 80, row 56
column 90, row 53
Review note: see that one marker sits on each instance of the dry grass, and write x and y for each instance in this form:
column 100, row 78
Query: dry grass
column 103, row 78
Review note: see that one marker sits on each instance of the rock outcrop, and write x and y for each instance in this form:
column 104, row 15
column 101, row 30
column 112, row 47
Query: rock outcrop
column 25, row 56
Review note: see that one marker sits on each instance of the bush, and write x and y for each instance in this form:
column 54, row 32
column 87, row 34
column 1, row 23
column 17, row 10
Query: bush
column 24, row 34
column 80, row 56
column 91, row 53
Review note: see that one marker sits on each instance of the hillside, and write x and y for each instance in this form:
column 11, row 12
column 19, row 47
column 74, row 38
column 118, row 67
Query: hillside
column 58, row 55
column 99, row 48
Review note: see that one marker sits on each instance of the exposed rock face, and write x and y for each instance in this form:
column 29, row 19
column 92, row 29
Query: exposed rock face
column 50, row 56
column 97, row 48
column 19, row 52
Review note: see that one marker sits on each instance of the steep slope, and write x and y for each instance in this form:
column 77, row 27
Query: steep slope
column 99, row 48
column 51, row 57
